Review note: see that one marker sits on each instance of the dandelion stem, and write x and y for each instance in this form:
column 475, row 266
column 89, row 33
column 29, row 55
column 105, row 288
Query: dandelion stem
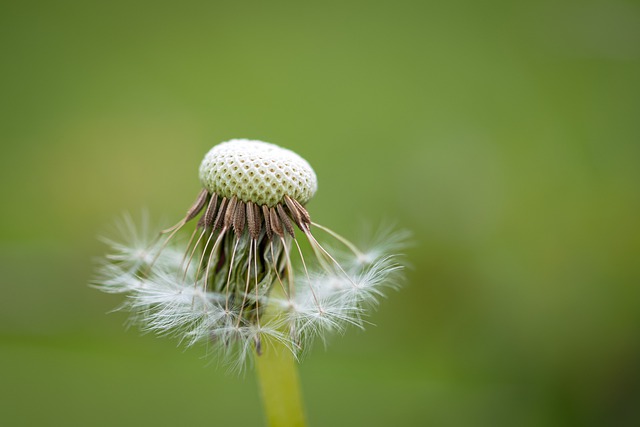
column 278, row 377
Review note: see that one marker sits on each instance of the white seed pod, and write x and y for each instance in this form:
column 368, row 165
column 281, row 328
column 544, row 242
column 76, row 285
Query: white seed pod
column 258, row 172
column 234, row 283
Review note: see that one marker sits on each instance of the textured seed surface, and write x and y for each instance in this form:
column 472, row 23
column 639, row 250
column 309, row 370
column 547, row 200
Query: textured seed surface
column 258, row 172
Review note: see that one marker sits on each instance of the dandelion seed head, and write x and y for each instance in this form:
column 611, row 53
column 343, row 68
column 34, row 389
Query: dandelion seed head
column 257, row 171
column 243, row 279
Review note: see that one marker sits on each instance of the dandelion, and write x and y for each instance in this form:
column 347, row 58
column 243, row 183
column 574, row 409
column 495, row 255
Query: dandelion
column 252, row 279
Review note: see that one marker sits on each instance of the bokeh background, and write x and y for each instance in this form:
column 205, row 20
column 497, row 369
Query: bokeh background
column 504, row 135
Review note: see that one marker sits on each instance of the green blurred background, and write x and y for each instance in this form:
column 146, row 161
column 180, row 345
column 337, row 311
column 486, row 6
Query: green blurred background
column 505, row 135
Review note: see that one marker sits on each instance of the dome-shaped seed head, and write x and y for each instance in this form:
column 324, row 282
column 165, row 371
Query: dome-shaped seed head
column 258, row 172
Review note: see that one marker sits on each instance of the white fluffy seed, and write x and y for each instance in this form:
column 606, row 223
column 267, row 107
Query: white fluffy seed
column 256, row 171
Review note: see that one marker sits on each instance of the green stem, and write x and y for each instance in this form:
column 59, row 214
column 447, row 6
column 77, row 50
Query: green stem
column 280, row 386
